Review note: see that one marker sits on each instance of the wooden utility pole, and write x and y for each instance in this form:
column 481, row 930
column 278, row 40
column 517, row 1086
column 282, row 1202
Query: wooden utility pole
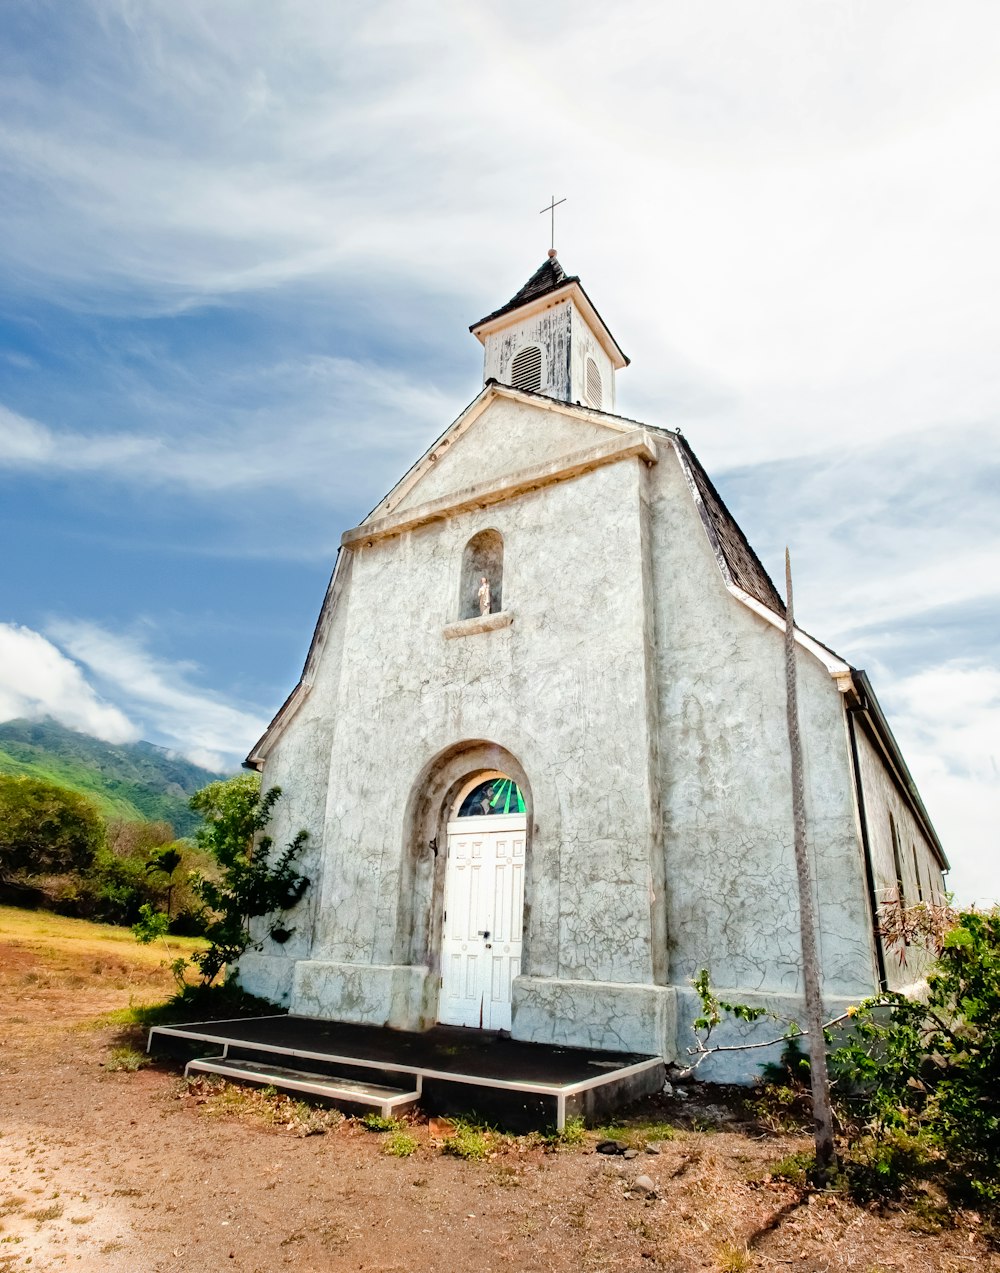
column 826, row 1155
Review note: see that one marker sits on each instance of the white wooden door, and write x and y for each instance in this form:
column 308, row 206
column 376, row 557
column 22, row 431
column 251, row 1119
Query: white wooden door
column 483, row 916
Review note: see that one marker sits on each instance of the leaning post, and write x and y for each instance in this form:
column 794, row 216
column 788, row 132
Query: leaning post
column 826, row 1155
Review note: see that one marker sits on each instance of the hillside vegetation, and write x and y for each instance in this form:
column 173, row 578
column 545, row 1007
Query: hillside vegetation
column 131, row 781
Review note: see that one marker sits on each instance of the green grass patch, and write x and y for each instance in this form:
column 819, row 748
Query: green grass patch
column 126, row 1059
column 378, row 1122
column 400, row 1144
column 469, row 1140
column 219, row 1002
column 795, row 1168
column 636, row 1135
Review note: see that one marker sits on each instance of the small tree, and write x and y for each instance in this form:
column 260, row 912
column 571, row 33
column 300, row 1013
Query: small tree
column 45, row 829
column 250, row 885
column 165, row 862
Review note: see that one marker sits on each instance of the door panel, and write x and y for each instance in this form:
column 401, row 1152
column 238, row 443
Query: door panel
column 484, row 908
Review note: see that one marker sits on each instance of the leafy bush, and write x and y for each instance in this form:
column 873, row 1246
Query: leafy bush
column 249, row 885
column 244, row 883
column 924, row 1075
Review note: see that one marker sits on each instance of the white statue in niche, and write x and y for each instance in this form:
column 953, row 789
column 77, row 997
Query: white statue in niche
column 485, row 600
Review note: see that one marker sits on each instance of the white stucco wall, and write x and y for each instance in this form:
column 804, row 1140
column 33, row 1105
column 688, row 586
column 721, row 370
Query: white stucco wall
column 509, row 436
column 882, row 798
column 550, row 331
column 732, row 904
column 646, row 706
column 298, row 763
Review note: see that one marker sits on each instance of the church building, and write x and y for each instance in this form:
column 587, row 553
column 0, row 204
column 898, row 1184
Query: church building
column 540, row 744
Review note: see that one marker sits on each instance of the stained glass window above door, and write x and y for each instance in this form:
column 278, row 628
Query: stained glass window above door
column 497, row 795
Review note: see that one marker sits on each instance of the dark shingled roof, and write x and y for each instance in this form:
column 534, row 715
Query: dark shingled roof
column 549, row 277
column 744, row 565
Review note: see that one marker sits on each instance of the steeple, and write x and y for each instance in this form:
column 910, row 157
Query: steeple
column 550, row 339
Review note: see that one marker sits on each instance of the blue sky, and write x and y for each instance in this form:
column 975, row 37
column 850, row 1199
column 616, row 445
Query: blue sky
column 241, row 245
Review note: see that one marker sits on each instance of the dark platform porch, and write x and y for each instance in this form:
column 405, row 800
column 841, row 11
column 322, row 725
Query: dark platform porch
column 447, row 1070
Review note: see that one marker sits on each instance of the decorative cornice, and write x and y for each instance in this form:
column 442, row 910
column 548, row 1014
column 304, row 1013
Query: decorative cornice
column 636, row 443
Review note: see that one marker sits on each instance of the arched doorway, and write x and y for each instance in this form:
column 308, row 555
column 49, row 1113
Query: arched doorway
column 481, row 930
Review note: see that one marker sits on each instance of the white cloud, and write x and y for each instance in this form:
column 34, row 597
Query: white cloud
column 23, row 443
column 788, row 218
column 177, row 712
column 800, row 207
column 37, row 679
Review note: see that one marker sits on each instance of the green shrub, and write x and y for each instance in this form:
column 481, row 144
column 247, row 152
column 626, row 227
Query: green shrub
column 920, row 1077
column 250, row 882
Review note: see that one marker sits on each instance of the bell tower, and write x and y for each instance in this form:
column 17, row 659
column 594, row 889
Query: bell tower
column 550, row 339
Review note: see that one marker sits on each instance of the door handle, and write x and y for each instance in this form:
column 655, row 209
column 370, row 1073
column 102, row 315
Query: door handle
column 485, row 934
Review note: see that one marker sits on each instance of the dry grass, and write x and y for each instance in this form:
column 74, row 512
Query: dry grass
column 50, row 965
column 728, row 1201
column 78, row 944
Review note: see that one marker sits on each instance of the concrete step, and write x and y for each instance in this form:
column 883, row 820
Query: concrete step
column 331, row 1087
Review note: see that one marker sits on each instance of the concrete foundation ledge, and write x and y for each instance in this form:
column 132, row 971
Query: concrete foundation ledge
column 610, row 1016
column 366, row 994
column 269, row 976
column 744, row 1066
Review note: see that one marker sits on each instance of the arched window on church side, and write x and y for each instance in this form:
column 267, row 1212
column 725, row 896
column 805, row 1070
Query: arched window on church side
column 526, row 369
column 482, row 559
column 595, row 390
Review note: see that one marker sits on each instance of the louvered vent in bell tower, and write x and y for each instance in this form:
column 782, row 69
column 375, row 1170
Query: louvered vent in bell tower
column 550, row 339
column 595, row 392
column 526, row 369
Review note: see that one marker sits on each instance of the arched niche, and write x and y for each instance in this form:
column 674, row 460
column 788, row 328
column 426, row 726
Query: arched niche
column 481, row 558
column 436, row 797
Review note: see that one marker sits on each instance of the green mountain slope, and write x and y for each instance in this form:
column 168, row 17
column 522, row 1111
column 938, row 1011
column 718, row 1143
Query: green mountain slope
column 134, row 780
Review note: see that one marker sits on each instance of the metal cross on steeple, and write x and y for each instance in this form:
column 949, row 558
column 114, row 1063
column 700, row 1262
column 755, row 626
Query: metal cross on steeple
column 552, row 209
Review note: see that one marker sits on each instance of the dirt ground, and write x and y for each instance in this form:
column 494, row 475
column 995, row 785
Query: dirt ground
column 111, row 1170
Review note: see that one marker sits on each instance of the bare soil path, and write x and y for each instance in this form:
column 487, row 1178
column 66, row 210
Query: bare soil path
column 117, row 1171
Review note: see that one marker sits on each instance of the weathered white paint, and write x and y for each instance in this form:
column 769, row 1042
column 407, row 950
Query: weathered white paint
column 483, row 919
column 567, row 330
column 638, row 701
column 922, row 878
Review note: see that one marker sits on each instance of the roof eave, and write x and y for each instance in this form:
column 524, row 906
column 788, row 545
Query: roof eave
column 873, row 711
column 573, row 290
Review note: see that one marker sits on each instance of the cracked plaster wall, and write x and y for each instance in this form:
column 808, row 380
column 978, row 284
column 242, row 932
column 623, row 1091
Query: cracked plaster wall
column 646, row 706
column 563, row 689
column 732, row 903
column 507, row 437
column 882, row 798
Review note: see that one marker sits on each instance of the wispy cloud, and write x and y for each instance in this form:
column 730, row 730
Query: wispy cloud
column 164, row 695
column 795, row 243
column 37, row 679
column 348, row 415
